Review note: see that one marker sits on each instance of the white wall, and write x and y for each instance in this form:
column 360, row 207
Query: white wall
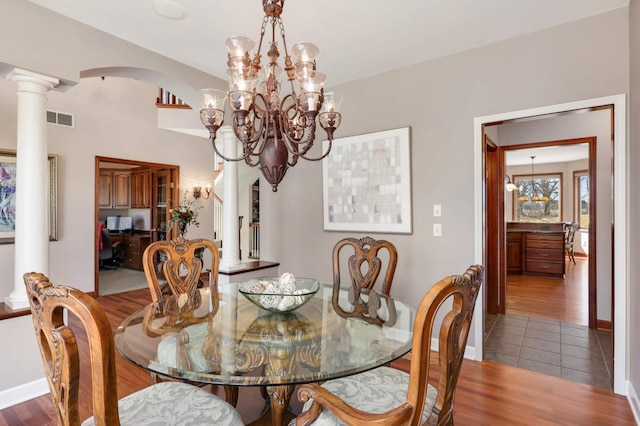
column 634, row 205
column 114, row 118
column 439, row 101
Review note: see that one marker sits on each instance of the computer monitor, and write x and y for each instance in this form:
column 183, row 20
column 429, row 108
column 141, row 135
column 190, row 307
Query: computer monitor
column 119, row 223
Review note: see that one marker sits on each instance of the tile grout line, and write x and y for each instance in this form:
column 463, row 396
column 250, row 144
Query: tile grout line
column 522, row 343
column 606, row 366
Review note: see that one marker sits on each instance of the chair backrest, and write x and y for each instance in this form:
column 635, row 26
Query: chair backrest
column 454, row 330
column 106, row 252
column 569, row 233
column 364, row 266
column 182, row 267
column 59, row 349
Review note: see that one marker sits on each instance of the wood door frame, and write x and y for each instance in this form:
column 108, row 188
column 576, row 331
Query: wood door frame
column 617, row 104
column 592, row 258
column 494, row 202
column 98, row 159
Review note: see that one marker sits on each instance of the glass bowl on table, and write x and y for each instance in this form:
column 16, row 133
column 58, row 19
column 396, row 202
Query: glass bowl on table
column 275, row 294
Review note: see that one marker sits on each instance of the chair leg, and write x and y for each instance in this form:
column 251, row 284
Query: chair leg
column 231, row 394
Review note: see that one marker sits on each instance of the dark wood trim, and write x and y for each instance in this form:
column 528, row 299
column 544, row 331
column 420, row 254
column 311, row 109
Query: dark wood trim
column 251, row 266
column 592, row 141
column 6, row 312
column 604, row 325
column 593, row 278
column 526, row 177
column 493, row 197
column 175, row 175
column 174, row 106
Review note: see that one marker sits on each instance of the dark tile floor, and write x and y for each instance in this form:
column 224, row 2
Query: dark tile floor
column 570, row 351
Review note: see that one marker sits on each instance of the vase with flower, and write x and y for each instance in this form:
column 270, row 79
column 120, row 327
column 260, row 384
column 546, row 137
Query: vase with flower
column 184, row 215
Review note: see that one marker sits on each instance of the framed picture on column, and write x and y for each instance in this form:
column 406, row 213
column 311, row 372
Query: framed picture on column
column 8, row 196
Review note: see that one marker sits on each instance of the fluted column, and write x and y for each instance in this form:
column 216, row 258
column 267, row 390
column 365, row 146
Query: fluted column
column 32, row 209
column 230, row 222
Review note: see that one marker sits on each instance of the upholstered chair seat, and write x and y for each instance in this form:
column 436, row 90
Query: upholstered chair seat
column 174, row 403
column 375, row 392
column 385, row 396
column 165, row 403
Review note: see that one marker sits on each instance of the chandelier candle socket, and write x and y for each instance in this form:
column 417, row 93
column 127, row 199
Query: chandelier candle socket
column 274, row 130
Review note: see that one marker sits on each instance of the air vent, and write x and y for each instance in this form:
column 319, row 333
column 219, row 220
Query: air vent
column 60, row 119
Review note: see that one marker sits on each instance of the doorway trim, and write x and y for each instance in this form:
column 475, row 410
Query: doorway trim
column 591, row 141
column 96, row 218
column 620, row 219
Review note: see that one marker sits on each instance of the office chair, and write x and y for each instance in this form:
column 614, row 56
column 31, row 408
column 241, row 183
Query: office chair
column 110, row 253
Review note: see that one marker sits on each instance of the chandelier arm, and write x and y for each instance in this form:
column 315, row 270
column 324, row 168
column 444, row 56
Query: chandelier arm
column 223, row 156
column 309, row 144
column 248, row 144
column 288, row 121
column 322, row 156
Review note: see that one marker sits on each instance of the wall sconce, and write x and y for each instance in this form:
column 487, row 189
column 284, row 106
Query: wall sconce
column 198, row 192
column 510, row 186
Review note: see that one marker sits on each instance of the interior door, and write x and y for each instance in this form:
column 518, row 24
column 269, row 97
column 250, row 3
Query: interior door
column 494, row 184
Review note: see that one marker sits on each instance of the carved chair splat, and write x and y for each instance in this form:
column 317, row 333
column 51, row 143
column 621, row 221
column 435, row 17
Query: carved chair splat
column 180, row 403
column 364, row 266
column 386, row 396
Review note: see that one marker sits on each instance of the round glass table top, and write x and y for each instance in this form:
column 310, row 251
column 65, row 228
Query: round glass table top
column 218, row 336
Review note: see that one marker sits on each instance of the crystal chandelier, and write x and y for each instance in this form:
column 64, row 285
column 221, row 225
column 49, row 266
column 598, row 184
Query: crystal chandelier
column 274, row 130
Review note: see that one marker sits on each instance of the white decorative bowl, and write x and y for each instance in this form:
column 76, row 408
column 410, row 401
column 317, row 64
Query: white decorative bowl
column 259, row 291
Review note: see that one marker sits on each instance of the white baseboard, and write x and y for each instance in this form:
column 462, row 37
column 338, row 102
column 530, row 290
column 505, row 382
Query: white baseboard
column 469, row 351
column 634, row 402
column 22, row 393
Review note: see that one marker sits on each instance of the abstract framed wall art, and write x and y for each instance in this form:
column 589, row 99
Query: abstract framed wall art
column 367, row 183
column 8, row 196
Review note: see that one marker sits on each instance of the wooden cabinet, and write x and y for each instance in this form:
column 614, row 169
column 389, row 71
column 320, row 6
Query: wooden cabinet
column 115, row 189
column 134, row 246
column 141, row 188
column 514, row 252
column 160, row 209
column 544, row 254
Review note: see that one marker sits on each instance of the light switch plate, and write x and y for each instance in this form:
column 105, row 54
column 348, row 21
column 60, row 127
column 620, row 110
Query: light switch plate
column 437, row 230
column 437, row 210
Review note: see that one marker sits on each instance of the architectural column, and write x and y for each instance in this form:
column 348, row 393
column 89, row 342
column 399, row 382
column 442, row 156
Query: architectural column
column 230, row 221
column 32, row 206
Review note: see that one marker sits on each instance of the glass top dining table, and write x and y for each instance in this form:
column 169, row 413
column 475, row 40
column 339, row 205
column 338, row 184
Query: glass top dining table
column 217, row 336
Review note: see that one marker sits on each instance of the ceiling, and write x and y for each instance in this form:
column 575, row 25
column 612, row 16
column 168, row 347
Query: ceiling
column 547, row 154
column 357, row 38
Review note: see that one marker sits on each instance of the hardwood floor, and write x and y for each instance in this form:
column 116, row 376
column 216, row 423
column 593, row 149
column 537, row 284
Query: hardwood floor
column 487, row 393
column 565, row 300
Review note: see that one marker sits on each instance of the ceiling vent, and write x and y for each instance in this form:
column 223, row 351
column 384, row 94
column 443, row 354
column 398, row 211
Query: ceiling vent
column 60, row 119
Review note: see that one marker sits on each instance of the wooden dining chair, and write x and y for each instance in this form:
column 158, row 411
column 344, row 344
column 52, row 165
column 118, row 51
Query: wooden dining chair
column 569, row 235
column 386, row 396
column 162, row 403
column 174, row 267
column 364, row 265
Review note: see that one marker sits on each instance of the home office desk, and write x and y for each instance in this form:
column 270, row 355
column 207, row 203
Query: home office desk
column 217, row 336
